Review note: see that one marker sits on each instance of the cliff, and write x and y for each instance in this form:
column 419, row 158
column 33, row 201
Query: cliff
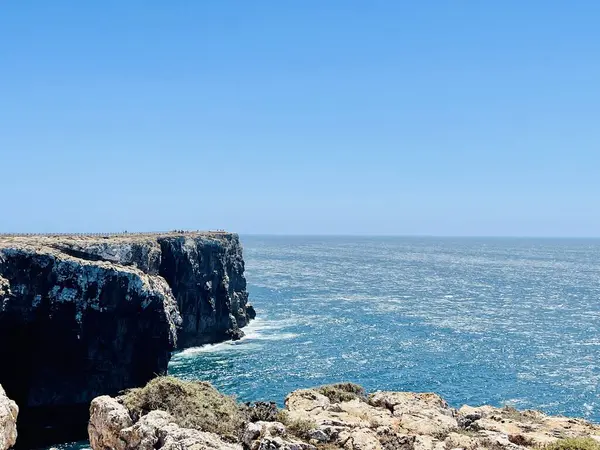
column 166, row 415
column 82, row 316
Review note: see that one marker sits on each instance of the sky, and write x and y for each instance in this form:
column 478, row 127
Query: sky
column 452, row 118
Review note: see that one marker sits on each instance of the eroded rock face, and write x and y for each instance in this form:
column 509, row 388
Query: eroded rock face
column 8, row 421
column 207, row 279
column 86, row 316
column 204, row 271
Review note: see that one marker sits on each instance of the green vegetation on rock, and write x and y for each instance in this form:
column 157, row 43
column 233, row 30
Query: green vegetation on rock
column 342, row 392
column 300, row 427
column 574, row 444
column 260, row 411
column 296, row 427
column 192, row 404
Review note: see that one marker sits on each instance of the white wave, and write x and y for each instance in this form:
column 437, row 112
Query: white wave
column 209, row 348
column 258, row 336
column 515, row 401
column 269, row 324
column 257, row 330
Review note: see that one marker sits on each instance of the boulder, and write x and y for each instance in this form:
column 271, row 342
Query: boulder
column 8, row 421
column 419, row 413
column 107, row 418
column 111, row 428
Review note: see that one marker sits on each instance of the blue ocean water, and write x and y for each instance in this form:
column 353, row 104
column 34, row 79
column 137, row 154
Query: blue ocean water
column 479, row 321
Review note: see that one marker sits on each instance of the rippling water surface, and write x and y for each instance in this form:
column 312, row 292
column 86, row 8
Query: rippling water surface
column 498, row 321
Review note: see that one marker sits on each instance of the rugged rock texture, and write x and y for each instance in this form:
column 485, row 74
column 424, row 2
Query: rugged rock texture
column 111, row 428
column 8, row 421
column 83, row 316
column 350, row 421
column 424, row 421
column 207, row 279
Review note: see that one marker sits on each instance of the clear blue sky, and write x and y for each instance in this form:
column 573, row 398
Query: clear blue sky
column 313, row 116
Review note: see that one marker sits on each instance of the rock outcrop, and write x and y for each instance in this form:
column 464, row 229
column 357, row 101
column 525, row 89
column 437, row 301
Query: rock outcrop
column 8, row 421
column 343, row 416
column 111, row 428
column 424, row 421
column 83, row 316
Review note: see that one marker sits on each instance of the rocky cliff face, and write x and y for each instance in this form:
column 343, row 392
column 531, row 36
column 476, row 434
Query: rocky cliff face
column 8, row 421
column 207, row 279
column 86, row 316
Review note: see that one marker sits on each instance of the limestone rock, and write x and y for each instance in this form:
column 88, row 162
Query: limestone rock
column 107, row 418
column 360, row 439
column 111, row 428
column 266, row 430
column 419, row 413
column 523, row 428
column 306, row 400
column 251, row 433
column 272, row 435
column 272, row 428
column 383, row 421
column 8, row 421
column 172, row 437
column 458, row 440
column 424, row 442
column 353, row 424
column 424, row 421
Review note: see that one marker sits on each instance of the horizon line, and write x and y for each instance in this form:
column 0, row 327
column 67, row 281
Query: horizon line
column 357, row 235
column 463, row 236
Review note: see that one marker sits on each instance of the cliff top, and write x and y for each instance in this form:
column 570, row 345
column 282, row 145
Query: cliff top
column 51, row 239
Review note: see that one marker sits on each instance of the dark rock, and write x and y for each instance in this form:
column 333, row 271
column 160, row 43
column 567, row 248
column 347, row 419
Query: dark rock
column 261, row 411
column 82, row 317
column 207, row 279
column 469, row 421
column 390, row 440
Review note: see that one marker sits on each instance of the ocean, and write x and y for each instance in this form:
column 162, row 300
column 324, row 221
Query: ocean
column 477, row 320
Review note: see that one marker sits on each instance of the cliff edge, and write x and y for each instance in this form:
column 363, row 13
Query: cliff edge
column 82, row 316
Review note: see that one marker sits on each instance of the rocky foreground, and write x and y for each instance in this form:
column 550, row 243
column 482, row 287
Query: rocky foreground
column 172, row 415
column 8, row 421
column 82, row 316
